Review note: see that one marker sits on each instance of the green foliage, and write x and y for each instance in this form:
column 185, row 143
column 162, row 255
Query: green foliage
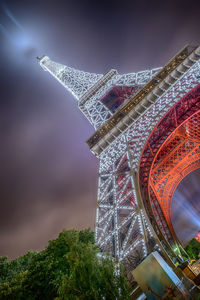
column 13, row 289
column 69, row 268
column 8, row 269
column 193, row 249
column 91, row 277
column 86, row 236
column 48, row 268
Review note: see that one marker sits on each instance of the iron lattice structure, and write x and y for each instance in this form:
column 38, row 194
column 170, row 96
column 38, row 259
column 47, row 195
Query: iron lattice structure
column 145, row 132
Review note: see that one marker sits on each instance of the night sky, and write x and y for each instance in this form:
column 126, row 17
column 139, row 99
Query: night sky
column 48, row 175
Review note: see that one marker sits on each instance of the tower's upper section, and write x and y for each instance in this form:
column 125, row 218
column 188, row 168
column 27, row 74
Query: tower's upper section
column 99, row 96
column 75, row 81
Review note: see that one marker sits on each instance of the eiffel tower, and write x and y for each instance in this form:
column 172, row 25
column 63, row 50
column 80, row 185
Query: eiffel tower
column 147, row 139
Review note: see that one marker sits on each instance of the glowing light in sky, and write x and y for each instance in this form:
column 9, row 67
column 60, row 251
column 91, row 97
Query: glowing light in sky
column 17, row 36
column 11, row 17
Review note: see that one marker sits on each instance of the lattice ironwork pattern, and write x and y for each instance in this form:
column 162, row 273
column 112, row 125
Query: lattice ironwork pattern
column 120, row 224
column 80, row 82
column 168, row 168
column 124, row 154
column 98, row 113
column 138, row 132
column 171, row 152
column 143, row 99
column 75, row 81
column 127, row 225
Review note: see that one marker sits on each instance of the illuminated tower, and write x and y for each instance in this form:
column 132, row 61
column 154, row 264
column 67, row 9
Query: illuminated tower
column 146, row 129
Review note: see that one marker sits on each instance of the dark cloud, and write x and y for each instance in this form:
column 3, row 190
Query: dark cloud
column 48, row 175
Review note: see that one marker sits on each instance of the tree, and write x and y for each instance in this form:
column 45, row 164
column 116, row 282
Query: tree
column 193, row 249
column 91, row 277
column 8, row 269
column 69, row 268
column 13, row 289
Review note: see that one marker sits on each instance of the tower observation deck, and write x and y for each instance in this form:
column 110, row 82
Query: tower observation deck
column 147, row 139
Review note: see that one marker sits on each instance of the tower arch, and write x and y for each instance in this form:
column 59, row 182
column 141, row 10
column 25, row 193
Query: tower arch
column 170, row 153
